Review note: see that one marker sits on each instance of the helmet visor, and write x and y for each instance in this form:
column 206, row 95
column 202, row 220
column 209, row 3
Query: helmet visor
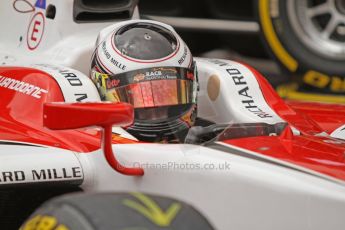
column 155, row 93
column 148, row 88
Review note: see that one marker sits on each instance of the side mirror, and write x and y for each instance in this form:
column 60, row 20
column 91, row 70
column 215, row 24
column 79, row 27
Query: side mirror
column 61, row 116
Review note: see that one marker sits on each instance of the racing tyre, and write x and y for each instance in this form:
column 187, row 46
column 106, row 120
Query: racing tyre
column 308, row 38
column 135, row 211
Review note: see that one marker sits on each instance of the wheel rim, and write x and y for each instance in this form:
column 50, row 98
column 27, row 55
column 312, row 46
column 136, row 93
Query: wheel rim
column 320, row 25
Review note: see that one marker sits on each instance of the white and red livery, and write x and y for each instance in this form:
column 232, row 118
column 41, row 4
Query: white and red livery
column 293, row 179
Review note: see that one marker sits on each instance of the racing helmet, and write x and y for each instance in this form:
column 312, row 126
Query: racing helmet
column 147, row 64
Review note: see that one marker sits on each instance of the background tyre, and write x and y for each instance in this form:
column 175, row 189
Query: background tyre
column 134, row 211
column 307, row 37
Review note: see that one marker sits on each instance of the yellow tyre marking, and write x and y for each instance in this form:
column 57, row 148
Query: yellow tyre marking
column 288, row 91
column 31, row 224
column 316, row 79
column 272, row 38
column 152, row 211
column 43, row 223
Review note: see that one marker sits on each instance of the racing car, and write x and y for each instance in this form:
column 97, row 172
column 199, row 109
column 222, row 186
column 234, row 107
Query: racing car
column 263, row 163
column 262, row 156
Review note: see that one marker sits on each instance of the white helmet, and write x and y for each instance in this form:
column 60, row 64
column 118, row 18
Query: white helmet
column 147, row 64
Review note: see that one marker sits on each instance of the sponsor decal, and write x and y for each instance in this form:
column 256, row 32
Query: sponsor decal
column 153, row 73
column 139, row 77
column 35, row 31
column 112, row 83
column 244, row 91
column 23, row 6
column 80, row 97
column 248, row 97
column 41, row 4
column 55, row 174
column 43, row 222
column 71, row 78
column 112, row 60
column 38, row 175
column 152, row 211
column 319, row 80
column 36, row 25
column 163, row 69
column 184, row 55
column 190, row 76
column 22, row 87
column 156, row 74
column 12, row 176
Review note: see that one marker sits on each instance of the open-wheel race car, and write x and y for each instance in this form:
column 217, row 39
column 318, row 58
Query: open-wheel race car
column 251, row 160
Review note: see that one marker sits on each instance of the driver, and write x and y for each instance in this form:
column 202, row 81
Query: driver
column 147, row 64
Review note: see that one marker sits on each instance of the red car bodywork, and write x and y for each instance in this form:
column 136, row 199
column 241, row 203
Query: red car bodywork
column 21, row 121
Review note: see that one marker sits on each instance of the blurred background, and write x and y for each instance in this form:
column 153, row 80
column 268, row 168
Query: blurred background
column 299, row 45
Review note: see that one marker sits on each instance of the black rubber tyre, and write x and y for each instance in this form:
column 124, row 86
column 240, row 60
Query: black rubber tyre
column 316, row 73
column 124, row 211
column 17, row 204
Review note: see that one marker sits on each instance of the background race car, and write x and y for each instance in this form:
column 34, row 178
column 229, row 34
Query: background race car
column 306, row 38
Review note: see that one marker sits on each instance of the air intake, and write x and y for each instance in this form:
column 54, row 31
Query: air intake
column 103, row 10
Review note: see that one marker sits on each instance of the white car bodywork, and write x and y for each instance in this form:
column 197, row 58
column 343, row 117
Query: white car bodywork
column 232, row 187
column 61, row 40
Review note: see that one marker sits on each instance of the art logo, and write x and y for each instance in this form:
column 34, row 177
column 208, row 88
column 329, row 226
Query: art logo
column 35, row 31
column 139, row 77
column 112, row 83
column 41, row 4
column 25, row 6
column 36, row 25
